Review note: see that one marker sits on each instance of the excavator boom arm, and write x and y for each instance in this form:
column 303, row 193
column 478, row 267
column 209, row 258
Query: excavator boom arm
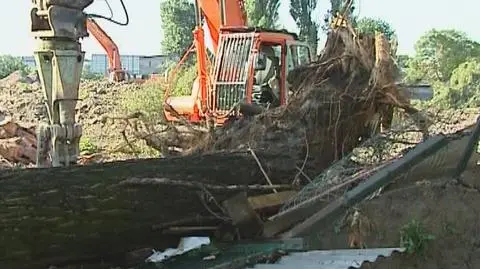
column 222, row 13
column 114, row 62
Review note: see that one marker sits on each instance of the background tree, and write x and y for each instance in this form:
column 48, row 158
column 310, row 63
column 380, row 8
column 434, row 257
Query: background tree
column 301, row 11
column 371, row 25
column 10, row 64
column 438, row 53
column 88, row 74
column 463, row 88
column 178, row 22
column 262, row 13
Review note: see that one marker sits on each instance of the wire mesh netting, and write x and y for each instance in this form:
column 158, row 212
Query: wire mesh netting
column 390, row 146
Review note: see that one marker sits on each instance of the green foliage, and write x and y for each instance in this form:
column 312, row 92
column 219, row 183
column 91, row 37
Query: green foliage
column 336, row 5
column 10, row 64
column 178, row 22
column 87, row 146
column 262, row 13
column 438, row 53
column 403, row 60
column 450, row 62
column 184, row 81
column 463, row 89
column 301, row 11
column 149, row 99
column 89, row 75
column 372, row 25
column 414, row 238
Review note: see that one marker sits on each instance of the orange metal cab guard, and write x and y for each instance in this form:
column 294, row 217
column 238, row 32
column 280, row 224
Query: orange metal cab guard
column 217, row 13
column 189, row 106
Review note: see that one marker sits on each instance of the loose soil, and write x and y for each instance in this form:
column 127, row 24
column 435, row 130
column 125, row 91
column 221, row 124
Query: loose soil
column 448, row 211
column 22, row 100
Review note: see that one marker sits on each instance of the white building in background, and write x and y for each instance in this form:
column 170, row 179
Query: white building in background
column 29, row 61
column 135, row 65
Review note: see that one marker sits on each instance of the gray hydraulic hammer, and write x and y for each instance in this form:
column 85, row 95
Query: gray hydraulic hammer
column 58, row 26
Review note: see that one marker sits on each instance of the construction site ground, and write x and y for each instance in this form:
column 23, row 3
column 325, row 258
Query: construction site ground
column 437, row 210
column 431, row 213
column 21, row 98
column 448, row 211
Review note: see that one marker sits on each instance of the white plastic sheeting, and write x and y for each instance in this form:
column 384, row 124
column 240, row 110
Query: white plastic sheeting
column 186, row 244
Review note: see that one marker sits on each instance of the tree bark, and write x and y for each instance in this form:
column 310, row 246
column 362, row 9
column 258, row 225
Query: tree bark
column 57, row 215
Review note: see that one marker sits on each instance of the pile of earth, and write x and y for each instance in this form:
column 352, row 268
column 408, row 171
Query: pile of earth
column 21, row 99
column 434, row 217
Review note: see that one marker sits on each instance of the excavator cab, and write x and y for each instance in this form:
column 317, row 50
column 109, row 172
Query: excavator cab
column 251, row 70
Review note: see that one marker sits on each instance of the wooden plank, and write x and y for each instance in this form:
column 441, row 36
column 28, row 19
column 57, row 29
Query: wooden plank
column 243, row 216
column 270, row 200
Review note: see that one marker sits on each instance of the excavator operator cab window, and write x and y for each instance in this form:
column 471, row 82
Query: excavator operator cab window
column 266, row 89
column 297, row 55
column 261, row 63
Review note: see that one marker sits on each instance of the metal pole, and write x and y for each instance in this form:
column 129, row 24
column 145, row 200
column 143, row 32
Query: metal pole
column 222, row 12
column 468, row 151
column 198, row 14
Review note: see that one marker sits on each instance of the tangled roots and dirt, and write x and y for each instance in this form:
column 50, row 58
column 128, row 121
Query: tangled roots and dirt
column 336, row 101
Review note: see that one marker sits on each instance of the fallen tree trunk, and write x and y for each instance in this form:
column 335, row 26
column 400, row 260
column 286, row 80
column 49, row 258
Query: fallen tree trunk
column 52, row 216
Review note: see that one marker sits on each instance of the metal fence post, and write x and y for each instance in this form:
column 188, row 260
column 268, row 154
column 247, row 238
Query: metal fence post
column 468, row 151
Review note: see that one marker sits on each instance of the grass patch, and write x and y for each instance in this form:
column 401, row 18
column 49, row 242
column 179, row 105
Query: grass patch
column 414, row 238
column 87, row 146
column 149, row 99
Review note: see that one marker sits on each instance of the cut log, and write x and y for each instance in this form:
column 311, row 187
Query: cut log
column 57, row 215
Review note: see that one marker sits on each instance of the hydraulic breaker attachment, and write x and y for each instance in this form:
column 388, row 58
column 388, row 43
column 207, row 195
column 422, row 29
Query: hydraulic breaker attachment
column 58, row 26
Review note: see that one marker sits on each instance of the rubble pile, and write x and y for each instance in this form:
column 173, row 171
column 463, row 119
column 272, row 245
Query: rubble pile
column 22, row 102
column 18, row 144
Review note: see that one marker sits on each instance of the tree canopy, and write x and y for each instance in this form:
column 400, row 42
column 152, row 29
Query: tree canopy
column 262, row 13
column 178, row 22
column 438, row 53
column 371, row 25
column 301, row 12
column 10, row 64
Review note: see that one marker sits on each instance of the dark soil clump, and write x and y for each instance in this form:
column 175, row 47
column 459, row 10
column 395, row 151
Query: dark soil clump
column 447, row 214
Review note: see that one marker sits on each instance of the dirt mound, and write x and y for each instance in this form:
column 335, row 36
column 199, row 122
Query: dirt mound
column 17, row 143
column 18, row 77
column 437, row 222
column 100, row 101
column 24, row 103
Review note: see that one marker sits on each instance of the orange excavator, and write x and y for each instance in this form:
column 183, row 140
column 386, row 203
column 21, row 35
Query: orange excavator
column 250, row 68
column 115, row 71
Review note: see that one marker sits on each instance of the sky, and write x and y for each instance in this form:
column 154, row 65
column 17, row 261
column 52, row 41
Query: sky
column 409, row 18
